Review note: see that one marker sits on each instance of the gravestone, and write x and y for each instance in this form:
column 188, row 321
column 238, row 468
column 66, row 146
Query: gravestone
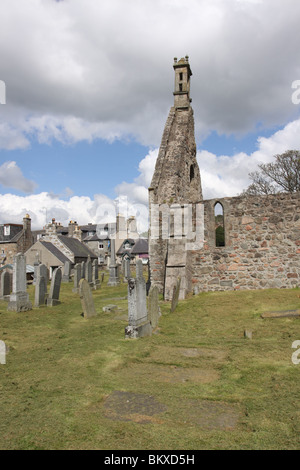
column 67, row 272
column 5, row 285
column 88, row 271
column 153, row 306
column 148, row 283
column 77, row 277
column 127, row 273
column 53, row 298
column 113, row 267
column 87, row 301
column 19, row 298
column 41, row 285
column 43, row 272
column 2, row 353
column 82, row 270
column 138, row 322
column 175, row 297
column 95, row 275
column 35, row 266
column 40, row 291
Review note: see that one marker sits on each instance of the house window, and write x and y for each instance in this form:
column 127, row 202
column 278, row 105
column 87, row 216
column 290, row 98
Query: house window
column 180, row 76
column 219, row 225
column 6, row 230
column 180, row 86
column 101, row 246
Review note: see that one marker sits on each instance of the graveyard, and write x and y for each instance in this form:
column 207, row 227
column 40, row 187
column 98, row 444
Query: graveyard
column 74, row 381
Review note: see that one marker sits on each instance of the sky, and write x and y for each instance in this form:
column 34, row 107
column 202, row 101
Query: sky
column 89, row 85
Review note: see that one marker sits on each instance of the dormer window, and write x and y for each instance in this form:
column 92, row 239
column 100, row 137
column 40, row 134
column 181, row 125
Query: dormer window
column 6, row 230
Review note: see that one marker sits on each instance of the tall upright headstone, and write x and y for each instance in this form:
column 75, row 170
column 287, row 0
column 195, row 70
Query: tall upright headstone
column 88, row 271
column 5, row 285
column 67, row 272
column 175, row 297
column 138, row 322
column 53, row 298
column 95, row 275
column 41, row 286
column 113, row 267
column 82, row 270
column 77, row 277
column 40, row 291
column 19, row 298
column 153, row 306
column 35, row 267
column 86, row 297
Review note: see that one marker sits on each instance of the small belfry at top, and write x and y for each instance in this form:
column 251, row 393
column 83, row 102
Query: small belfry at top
column 183, row 73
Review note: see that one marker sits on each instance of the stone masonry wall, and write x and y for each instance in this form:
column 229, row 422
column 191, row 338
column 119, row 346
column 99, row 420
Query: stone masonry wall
column 262, row 245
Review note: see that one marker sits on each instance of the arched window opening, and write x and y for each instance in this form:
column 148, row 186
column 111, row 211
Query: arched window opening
column 192, row 173
column 219, row 225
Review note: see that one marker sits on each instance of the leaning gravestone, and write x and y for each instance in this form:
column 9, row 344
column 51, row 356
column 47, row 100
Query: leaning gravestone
column 53, row 298
column 87, row 301
column 153, row 306
column 138, row 322
column 77, row 277
column 175, row 297
column 67, row 272
column 5, row 286
column 19, row 298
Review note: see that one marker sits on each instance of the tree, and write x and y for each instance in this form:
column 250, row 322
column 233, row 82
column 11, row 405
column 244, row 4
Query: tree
column 281, row 176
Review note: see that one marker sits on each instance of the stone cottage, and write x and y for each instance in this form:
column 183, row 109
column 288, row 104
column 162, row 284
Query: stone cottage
column 14, row 238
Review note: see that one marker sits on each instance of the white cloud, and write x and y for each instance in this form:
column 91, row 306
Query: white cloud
column 11, row 176
column 222, row 176
column 228, row 176
column 84, row 70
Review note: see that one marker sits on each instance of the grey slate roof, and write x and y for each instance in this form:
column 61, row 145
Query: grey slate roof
column 77, row 247
column 140, row 247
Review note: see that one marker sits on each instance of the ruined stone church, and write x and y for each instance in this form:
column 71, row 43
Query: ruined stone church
column 251, row 242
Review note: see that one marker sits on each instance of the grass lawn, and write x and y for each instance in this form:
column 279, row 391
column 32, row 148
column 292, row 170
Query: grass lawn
column 197, row 383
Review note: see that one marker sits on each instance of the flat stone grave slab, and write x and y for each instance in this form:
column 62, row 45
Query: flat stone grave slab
column 208, row 414
column 137, row 407
column 141, row 408
column 282, row 314
column 172, row 374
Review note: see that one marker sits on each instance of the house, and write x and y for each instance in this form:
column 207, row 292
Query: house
column 14, row 238
column 134, row 249
column 97, row 239
column 140, row 250
column 53, row 249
